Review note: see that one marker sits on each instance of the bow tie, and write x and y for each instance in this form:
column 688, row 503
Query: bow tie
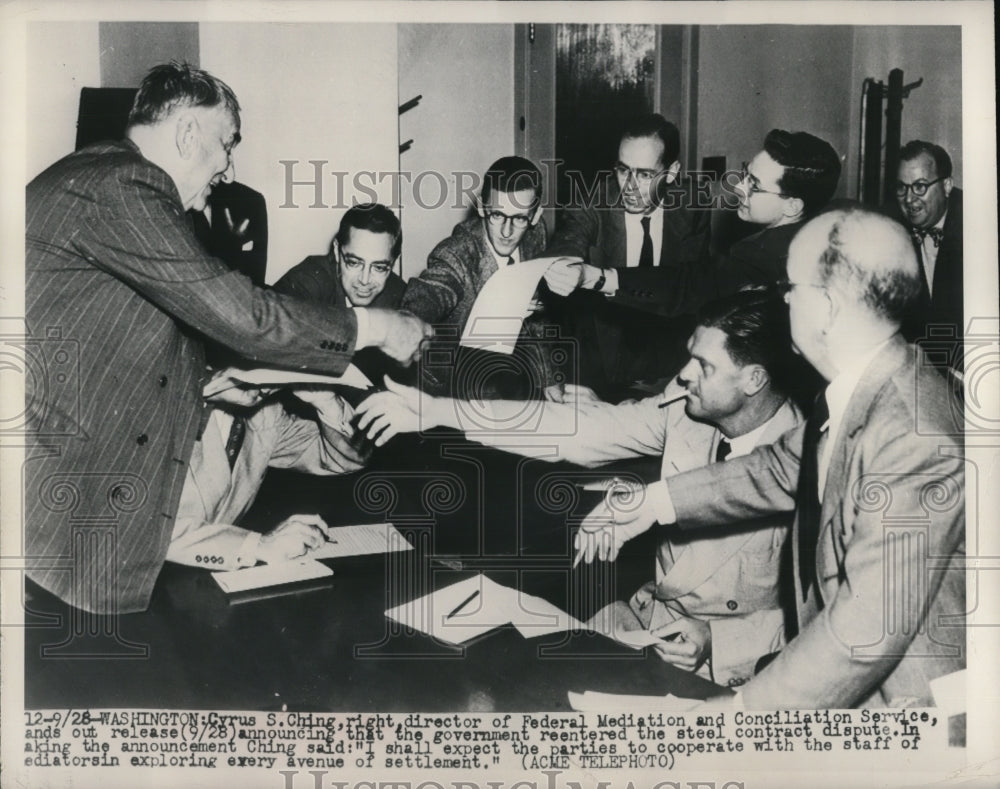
column 934, row 233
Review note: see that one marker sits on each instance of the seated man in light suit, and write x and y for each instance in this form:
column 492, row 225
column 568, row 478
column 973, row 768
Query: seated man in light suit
column 875, row 479
column 244, row 436
column 715, row 598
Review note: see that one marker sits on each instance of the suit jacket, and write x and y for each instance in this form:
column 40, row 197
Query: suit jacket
column 758, row 259
column 119, row 294
column 729, row 577
column 941, row 307
column 315, row 279
column 443, row 295
column 614, row 342
column 890, row 549
column 246, row 253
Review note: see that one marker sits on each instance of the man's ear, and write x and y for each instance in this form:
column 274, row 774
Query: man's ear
column 673, row 171
column 335, row 250
column 187, row 132
column 793, row 207
column 480, row 209
column 949, row 184
column 755, row 378
column 538, row 213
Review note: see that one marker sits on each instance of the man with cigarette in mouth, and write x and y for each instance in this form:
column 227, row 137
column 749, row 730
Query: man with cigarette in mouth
column 714, row 602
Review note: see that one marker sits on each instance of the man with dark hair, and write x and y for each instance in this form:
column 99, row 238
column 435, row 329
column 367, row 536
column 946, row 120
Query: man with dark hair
column 875, row 479
column 930, row 206
column 508, row 228
column 114, row 272
column 790, row 180
column 715, row 599
column 643, row 218
column 357, row 271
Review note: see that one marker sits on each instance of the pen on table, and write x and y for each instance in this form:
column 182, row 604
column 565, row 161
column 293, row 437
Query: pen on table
column 463, row 604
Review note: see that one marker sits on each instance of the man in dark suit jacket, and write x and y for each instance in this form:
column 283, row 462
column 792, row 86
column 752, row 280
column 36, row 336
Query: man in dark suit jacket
column 116, row 279
column 233, row 228
column 875, row 478
column 791, row 178
column 356, row 272
column 930, row 206
column 508, row 229
column 641, row 217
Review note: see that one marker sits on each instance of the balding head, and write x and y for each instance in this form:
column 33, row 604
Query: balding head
column 853, row 275
column 867, row 257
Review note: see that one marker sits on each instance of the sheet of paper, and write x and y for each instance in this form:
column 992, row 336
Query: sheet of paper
column 359, row 540
column 268, row 376
column 487, row 605
column 949, row 692
column 502, row 305
column 271, row 575
column 619, row 623
column 535, row 617
column 592, row 701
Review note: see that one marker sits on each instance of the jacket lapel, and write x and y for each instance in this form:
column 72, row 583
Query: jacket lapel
column 837, row 485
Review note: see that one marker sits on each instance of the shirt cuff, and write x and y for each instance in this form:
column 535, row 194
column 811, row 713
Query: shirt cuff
column 361, row 340
column 247, row 554
column 610, row 282
column 661, row 503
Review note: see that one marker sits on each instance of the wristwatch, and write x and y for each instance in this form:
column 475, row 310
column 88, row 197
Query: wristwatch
column 599, row 284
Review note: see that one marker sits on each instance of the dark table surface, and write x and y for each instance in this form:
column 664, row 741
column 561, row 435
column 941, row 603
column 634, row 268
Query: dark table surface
column 328, row 646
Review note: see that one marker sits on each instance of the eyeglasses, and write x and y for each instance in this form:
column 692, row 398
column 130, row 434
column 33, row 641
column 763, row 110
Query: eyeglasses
column 498, row 218
column 641, row 176
column 754, row 185
column 380, row 268
column 919, row 188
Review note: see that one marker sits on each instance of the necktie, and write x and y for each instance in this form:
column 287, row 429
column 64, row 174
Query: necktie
column 510, row 260
column 808, row 503
column 235, row 441
column 646, row 253
column 722, row 451
column 934, row 233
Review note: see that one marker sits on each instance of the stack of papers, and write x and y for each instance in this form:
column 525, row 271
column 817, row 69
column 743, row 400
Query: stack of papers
column 234, row 581
column 478, row 605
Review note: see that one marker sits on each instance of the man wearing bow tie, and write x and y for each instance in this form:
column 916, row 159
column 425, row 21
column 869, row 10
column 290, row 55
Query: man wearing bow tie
column 931, row 208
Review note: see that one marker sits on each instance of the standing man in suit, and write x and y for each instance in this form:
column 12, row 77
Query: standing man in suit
column 930, row 206
column 642, row 218
column 508, row 228
column 715, row 600
column 115, row 275
column 875, row 478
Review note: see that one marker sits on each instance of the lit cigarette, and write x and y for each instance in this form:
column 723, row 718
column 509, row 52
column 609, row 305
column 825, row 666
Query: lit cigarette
column 672, row 398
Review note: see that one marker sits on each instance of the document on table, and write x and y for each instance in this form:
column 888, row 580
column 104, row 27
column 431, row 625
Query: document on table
column 268, row 376
column 477, row 605
column 502, row 305
column 592, row 701
column 366, row 538
column 292, row 571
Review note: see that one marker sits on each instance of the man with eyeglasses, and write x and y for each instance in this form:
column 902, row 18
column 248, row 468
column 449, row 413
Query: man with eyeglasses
column 790, row 180
column 642, row 218
column 357, row 271
column 506, row 229
column 930, row 206
column 875, row 478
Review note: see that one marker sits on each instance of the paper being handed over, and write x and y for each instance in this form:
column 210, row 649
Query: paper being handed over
column 502, row 305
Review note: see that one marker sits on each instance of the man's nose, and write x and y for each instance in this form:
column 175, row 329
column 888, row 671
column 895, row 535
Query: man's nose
column 507, row 228
column 366, row 274
column 687, row 373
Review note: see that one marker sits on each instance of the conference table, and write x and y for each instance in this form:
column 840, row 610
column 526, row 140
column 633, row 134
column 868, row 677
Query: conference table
column 328, row 646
